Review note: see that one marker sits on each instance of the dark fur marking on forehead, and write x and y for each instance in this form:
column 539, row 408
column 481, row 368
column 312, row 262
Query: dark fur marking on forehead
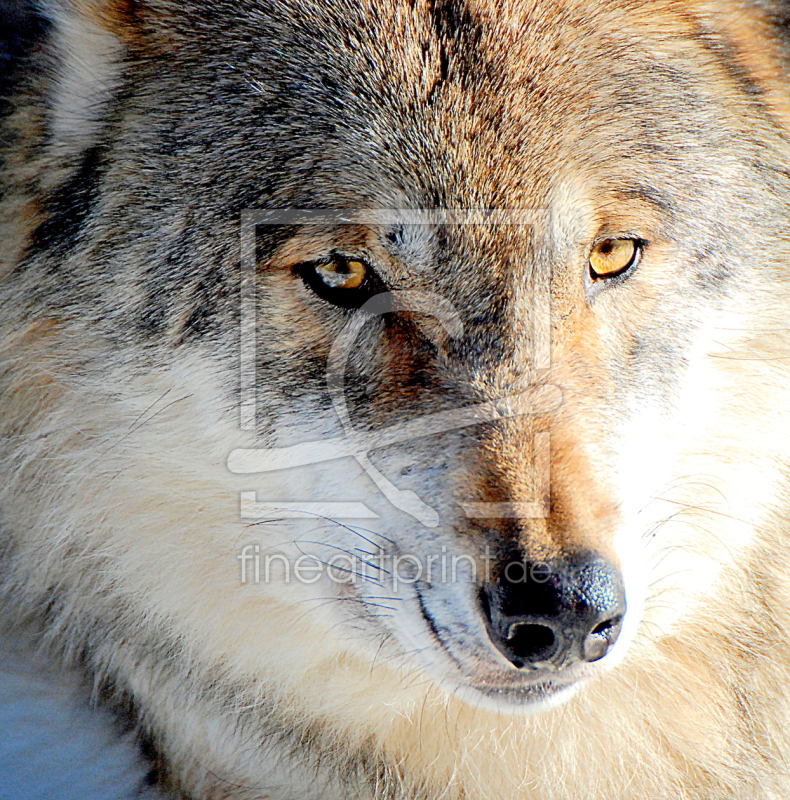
column 444, row 72
column 453, row 20
column 459, row 32
column 69, row 206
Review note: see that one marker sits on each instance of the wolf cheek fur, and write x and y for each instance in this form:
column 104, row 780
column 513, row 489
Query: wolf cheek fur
column 655, row 133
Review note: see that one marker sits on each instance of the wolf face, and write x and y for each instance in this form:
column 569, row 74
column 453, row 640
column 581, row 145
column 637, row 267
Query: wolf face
column 509, row 283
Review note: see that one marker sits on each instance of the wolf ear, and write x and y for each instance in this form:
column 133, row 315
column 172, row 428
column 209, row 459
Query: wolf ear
column 86, row 50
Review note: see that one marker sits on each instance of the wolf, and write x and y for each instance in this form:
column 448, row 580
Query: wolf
column 395, row 397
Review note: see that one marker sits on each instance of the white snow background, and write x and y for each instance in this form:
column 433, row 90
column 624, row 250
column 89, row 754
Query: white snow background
column 54, row 743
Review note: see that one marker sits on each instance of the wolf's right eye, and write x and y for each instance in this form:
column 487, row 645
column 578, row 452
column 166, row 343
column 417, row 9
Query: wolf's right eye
column 342, row 281
column 612, row 257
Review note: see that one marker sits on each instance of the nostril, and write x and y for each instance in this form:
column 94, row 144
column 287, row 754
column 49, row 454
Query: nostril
column 530, row 642
column 601, row 639
column 606, row 625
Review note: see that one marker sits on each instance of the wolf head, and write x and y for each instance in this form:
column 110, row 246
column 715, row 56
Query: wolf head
column 476, row 310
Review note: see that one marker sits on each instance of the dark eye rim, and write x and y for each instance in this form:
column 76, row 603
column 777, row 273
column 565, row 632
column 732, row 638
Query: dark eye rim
column 337, row 296
column 620, row 275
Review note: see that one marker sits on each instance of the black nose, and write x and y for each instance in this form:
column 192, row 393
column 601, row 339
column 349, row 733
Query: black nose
column 554, row 614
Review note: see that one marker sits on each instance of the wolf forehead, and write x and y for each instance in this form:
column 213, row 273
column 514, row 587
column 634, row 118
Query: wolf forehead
column 448, row 103
column 460, row 103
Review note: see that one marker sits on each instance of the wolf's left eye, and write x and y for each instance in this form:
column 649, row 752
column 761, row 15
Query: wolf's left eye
column 342, row 281
column 612, row 257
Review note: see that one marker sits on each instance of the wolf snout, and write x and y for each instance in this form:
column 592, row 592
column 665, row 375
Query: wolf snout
column 552, row 615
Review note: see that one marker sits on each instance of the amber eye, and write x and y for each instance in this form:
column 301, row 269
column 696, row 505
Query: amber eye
column 340, row 273
column 612, row 257
column 344, row 282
